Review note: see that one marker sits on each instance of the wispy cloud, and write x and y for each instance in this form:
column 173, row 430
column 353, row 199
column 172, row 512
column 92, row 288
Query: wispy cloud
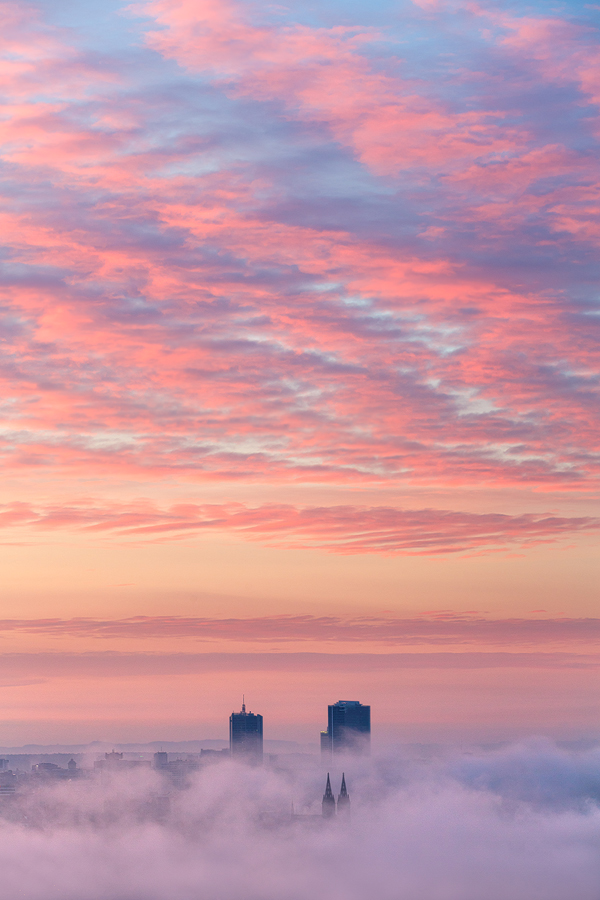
column 338, row 529
column 115, row 664
column 437, row 628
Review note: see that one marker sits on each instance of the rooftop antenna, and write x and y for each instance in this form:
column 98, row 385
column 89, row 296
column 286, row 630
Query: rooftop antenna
column 243, row 703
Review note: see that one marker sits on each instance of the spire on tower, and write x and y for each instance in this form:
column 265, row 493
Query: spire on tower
column 243, row 703
column 343, row 804
column 328, row 806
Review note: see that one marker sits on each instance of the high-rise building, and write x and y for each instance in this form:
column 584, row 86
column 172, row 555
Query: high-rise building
column 246, row 736
column 348, row 728
column 325, row 744
column 328, row 806
column 161, row 759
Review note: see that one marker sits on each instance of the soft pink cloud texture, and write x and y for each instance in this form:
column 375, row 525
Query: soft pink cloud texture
column 303, row 282
column 341, row 529
column 438, row 628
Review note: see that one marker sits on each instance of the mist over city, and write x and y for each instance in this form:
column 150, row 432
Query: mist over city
column 521, row 820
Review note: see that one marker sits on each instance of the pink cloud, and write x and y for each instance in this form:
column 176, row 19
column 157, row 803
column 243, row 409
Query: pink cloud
column 113, row 664
column 564, row 51
column 338, row 529
column 386, row 120
column 173, row 325
column 440, row 629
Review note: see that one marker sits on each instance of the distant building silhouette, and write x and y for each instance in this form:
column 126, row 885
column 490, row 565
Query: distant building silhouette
column 113, row 756
column 47, row 770
column 328, row 801
column 348, row 728
column 212, row 756
column 343, row 803
column 114, row 762
column 161, row 759
column 325, row 744
column 246, row 736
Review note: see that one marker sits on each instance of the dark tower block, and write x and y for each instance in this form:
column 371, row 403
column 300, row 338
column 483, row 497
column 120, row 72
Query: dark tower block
column 161, row 759
column 343, row 804
column 349, row 727
column 328, row 801
column 246, row 736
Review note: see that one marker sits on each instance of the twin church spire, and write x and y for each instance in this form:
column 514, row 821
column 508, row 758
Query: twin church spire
column 329, row 805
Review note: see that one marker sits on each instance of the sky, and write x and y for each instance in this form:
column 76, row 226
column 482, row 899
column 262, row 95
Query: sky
column 300, row 372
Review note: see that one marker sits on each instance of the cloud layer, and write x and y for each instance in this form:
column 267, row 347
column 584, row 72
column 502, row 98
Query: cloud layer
column 438, row 628
column 519, row 822
column 339, row 529
column 254, row 246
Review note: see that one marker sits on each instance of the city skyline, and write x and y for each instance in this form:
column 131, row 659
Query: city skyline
column 230, row 830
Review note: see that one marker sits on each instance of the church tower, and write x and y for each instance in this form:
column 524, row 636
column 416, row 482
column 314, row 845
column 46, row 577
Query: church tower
column 328, row 801
column 343, row 804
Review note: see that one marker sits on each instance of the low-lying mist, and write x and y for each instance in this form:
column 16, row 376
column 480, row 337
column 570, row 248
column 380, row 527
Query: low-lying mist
column 516, row 823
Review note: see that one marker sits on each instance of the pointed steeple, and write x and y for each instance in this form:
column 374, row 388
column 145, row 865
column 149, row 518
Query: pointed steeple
column 328, row 806
column 343, row 804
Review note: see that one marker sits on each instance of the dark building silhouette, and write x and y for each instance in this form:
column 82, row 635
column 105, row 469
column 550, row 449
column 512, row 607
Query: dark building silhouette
column 325, row 744
column 213, row 756
column 328, row 806
column 161, row 759
column 343, row 803
column 114, row 762
column 113, row 757
column 246, row 736
column 8, row 782
column 348, row 728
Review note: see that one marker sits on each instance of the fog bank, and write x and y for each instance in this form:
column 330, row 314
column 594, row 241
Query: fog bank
column 515, row 823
